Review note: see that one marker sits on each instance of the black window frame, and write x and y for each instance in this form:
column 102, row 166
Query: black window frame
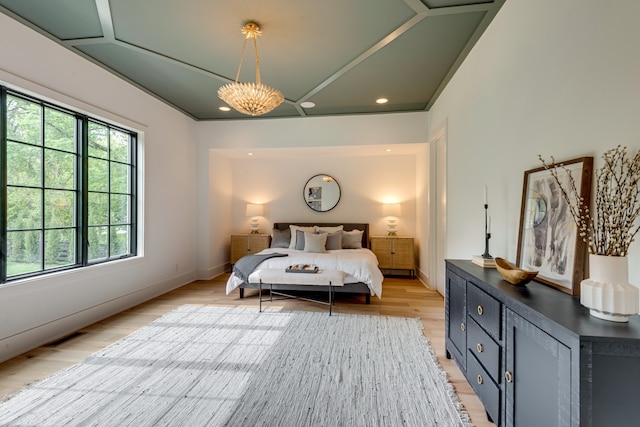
column 81, row 223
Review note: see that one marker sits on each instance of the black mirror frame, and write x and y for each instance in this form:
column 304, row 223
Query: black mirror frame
column 304, row 195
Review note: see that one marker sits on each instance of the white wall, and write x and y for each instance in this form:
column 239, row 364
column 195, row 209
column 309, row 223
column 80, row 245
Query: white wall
column 365, row 183
column 278, row 177
column 33, row 312
column 547, row 77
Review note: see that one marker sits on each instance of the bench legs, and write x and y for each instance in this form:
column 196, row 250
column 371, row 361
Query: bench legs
column 367, row 295
column 286, row 295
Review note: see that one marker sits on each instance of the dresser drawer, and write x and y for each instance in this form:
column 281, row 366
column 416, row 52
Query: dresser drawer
column 484, row 309
column 485, row 349
column 487, row 391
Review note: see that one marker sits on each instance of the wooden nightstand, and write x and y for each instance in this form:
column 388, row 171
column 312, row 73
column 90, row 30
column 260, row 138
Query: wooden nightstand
column 248, row 244
column 394, row 253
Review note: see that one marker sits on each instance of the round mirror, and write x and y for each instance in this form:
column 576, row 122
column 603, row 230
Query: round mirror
column 321, row 193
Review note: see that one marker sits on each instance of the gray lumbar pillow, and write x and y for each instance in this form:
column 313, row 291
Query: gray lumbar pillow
column 300, row 235
column 315, row 242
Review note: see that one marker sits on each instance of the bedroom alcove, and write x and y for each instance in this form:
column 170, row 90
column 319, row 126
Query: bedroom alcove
column 367, row 175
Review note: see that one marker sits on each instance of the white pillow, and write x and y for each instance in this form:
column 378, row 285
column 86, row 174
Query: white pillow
column 330, row 229
column 292, row 243
column 315, row 242
column 352, row 239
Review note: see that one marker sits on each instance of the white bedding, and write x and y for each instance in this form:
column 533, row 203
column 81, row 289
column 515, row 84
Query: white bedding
column 359, row 265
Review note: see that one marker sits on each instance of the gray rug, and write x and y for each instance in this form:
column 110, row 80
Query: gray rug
column 215, row 366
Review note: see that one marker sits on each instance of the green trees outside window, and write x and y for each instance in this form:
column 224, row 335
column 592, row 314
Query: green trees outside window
column 68, row 192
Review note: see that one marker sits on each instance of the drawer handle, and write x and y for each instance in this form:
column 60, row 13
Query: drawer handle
column 462, row 327
column 480, row 379
column 480, row 310
column 508, row 377
column 479, row 347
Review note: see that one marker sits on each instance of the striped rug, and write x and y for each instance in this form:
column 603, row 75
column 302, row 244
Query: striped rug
column 219, row 366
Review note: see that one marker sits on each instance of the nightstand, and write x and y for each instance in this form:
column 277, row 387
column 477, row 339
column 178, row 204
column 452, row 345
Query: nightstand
column 248, row 244
column 394, row 253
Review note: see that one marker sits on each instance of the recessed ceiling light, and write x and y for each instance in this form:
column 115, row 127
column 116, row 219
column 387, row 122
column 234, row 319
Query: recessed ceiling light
column 307, row 104
column 225, row 108
column 382, row 101
column 249, row 154
column 388, row 150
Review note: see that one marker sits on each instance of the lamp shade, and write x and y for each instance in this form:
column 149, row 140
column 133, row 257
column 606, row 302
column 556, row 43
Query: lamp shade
column 391, row 209
column 254, row 210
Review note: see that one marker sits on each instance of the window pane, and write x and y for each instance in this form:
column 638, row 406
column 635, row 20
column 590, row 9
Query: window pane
column 60, row 208
column 119, row 146
column 98, row 141
column 98, row 209
column 23, row 252
column 24, row 164
column 98, row 175
column 119, row 209
column 24, row 208
column 23, row 120
column 119, row 240
column 59, row 130
column 120, row 178
column 97, row 243
column 60, row 248
column 59, row 169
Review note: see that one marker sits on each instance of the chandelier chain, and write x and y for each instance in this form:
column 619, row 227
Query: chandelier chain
column 244, row 45
column 255, row 47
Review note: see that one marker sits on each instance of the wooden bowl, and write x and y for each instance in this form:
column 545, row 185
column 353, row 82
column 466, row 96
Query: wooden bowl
column 512, row 274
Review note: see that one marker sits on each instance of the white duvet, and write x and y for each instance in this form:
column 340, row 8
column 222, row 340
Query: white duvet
column 359, row 265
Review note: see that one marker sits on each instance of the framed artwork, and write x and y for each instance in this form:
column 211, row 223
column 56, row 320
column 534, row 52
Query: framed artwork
column 315, row 193
column 548, row 240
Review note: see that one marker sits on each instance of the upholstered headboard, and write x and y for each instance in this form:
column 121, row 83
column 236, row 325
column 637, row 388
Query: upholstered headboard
column 347, row 226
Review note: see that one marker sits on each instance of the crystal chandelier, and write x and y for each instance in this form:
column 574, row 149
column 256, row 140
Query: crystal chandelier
column 253, row 99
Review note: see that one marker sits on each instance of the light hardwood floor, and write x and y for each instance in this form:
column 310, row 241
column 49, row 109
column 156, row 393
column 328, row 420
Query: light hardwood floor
column 401, row 297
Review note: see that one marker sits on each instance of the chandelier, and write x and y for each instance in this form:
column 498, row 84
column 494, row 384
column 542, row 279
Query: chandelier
column 253, row 99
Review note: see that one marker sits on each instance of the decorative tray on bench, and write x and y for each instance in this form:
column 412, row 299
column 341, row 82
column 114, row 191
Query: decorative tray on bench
column 302, row 268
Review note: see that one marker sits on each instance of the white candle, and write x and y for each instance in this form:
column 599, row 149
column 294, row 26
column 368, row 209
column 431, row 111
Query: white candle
column 485, row 194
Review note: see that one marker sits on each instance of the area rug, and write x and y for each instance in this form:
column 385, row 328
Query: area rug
column 220, row 366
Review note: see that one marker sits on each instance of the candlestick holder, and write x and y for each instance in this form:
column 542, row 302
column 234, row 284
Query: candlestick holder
column 485, row 260
column 487, row 234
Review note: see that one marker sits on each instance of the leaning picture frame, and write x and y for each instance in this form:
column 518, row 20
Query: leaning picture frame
column 548, row 238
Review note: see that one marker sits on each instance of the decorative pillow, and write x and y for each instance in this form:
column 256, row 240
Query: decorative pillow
column 334, row 240
column 280, row 238
column 330, row 229
column 315, row 242
column 300, row 240
column 292, row 243
column 352, row 239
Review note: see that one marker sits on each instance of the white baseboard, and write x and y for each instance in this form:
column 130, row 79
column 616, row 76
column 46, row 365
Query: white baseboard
column 23, row 342
column 210, row 273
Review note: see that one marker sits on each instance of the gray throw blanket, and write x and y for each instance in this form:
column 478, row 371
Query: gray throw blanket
column 245, row 265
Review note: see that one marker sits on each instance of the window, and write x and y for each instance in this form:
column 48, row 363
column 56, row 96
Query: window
column 68, row 185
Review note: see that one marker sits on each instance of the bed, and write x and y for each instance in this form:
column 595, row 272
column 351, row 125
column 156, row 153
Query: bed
column 359, row 264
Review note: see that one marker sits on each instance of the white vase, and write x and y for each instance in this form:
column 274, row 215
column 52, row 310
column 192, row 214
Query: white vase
column 607, row 292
